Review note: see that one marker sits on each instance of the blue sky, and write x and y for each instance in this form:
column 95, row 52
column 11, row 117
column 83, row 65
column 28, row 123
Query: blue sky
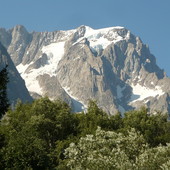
column 149, row 19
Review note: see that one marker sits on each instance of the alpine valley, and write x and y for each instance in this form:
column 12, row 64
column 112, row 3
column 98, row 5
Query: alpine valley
column 110, row 65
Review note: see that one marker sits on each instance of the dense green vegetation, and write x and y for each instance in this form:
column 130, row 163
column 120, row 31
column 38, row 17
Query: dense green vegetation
column 111, row 150
column 4, row 104
column 47, row 135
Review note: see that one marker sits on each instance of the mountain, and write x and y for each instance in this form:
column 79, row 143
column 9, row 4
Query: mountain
column 110, row 65
column 16, row 88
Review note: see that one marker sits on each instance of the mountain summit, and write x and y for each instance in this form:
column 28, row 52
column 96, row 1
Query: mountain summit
column 110, row 65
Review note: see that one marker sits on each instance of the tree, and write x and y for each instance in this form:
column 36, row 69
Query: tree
column 155, row 128
column 112, row 150
column 4, row 103
column 31, row 133
column 105, row 150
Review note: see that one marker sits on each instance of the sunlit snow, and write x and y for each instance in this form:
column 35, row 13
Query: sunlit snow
column 55, row 52
column 98, row 39
column 21, row 68
column 142, row 92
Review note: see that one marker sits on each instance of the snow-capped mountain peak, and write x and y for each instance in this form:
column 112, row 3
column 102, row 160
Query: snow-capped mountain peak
column 110, row 65
column 100, row 39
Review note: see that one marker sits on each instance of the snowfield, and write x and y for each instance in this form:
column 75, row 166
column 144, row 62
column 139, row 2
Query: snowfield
column 141, row 92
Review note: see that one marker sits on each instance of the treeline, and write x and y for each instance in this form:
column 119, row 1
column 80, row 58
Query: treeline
column 47, row 135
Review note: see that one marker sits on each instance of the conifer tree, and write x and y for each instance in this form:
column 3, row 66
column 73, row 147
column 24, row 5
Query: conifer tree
column 4, row 103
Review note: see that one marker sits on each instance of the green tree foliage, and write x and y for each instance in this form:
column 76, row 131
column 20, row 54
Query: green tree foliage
column 36, row 135
column 31, row 132
column 4, row 103
column 95, row 117
column 109, row 150
column 155, row 128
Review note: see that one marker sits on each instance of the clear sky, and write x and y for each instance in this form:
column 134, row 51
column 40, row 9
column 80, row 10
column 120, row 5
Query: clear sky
column 148, row 19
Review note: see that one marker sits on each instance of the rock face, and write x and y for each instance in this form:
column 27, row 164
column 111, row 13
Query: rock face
column 110, row 65
column 16, row 88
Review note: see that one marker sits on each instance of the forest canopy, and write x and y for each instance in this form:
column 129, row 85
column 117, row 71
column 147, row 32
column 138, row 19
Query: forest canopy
column 48, row 135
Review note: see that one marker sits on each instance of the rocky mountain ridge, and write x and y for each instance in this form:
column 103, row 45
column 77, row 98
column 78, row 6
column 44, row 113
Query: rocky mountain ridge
column 110, row 65
column 16, row 88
